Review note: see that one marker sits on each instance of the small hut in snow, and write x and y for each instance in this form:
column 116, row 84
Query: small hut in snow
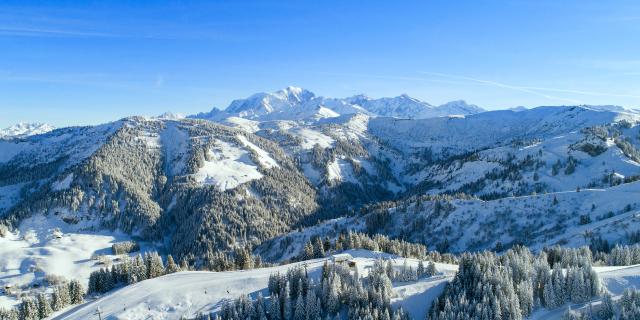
column 343, row 259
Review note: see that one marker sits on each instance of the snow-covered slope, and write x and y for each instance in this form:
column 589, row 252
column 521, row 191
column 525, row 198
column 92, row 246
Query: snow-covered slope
column 190, row 293
column 187, row 294
column 490, row 128
column 333, row 165
column 25, row 129
column 614, row 280
column 491, row 155
column 44, row 247
column 390, row 147
column 451, row 177
column 568, row 218
column 142, row 174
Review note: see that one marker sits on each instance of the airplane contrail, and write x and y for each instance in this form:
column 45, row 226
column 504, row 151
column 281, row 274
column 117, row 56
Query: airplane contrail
column 530, row 90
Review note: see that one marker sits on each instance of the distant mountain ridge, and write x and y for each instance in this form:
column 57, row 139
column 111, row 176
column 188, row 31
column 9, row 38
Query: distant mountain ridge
column 24, row 129
column 293, row 103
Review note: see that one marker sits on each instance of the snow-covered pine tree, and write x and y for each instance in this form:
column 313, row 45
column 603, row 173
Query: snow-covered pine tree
column 29, row 309
column 389, row 269
column 275, row 312
column 60, row 297
column 171, row 266
column 155, row 267
column 607, row 310
column 318, row 248
column 431, row 269
column 300, row 313
column 308, row 250
column 286, row 305
column 44, row 306
column 76, row 292
column 559, row 285
column 10, row 314
column 312, row 305
column 550, row 299
column 139, row 268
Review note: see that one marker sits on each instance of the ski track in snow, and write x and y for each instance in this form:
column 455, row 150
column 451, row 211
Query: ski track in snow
column 188, row 293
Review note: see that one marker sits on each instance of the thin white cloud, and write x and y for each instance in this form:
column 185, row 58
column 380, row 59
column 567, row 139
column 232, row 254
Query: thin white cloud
column 615, row 65
column 391, row 77
column 41, row 32
column 586, row 93
column 80, row 79
column 504, row 86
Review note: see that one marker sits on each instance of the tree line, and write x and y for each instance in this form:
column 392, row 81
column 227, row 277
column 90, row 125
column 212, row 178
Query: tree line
column 511, row 286
column 296, row 296
column 318, row 247
column 42, row 306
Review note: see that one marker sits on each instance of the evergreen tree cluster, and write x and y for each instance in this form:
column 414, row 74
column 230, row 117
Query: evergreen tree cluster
column 624, row 255
column 568, row 256
column 407, row 273
column 131, row 270
column 42, row 306
column 510, row 286
column 619, row 255
column 316, row 247
column 296, row 296
column 240, row 259
column 124, row 184
column 625, row 308
column 125, row 247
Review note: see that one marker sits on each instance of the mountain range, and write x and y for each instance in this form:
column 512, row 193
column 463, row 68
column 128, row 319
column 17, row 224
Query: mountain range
column 293, row 103
column 274, row 170
column 24, row 129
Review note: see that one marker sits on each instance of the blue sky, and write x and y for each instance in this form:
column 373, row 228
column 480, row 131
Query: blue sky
column 87, row 62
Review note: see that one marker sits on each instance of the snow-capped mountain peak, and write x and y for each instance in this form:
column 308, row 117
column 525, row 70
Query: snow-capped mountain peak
column 24, row 129
column 458, row 107
column 296, row 94
column 261, row 104
column 295, row 103
column 171, row 116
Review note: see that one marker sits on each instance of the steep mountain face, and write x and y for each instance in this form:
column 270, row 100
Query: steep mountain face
column 505, row 157
column 265, row 103
column 295, row 103
column 199, row 186
column 402, row 106
column 458, row 224
column 490, row 155
column 458, row 107
column 25, row 129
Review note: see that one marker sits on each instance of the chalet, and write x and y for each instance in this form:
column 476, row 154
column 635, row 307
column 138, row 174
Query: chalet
column 344, row 259
column 7, row 288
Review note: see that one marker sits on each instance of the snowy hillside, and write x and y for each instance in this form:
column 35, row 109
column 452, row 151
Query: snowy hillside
column 140, row 175
column 46, row 248
column 191, row 293
column 446, row 224
column 25, row 129
column 188, row 294
column 276, row 171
